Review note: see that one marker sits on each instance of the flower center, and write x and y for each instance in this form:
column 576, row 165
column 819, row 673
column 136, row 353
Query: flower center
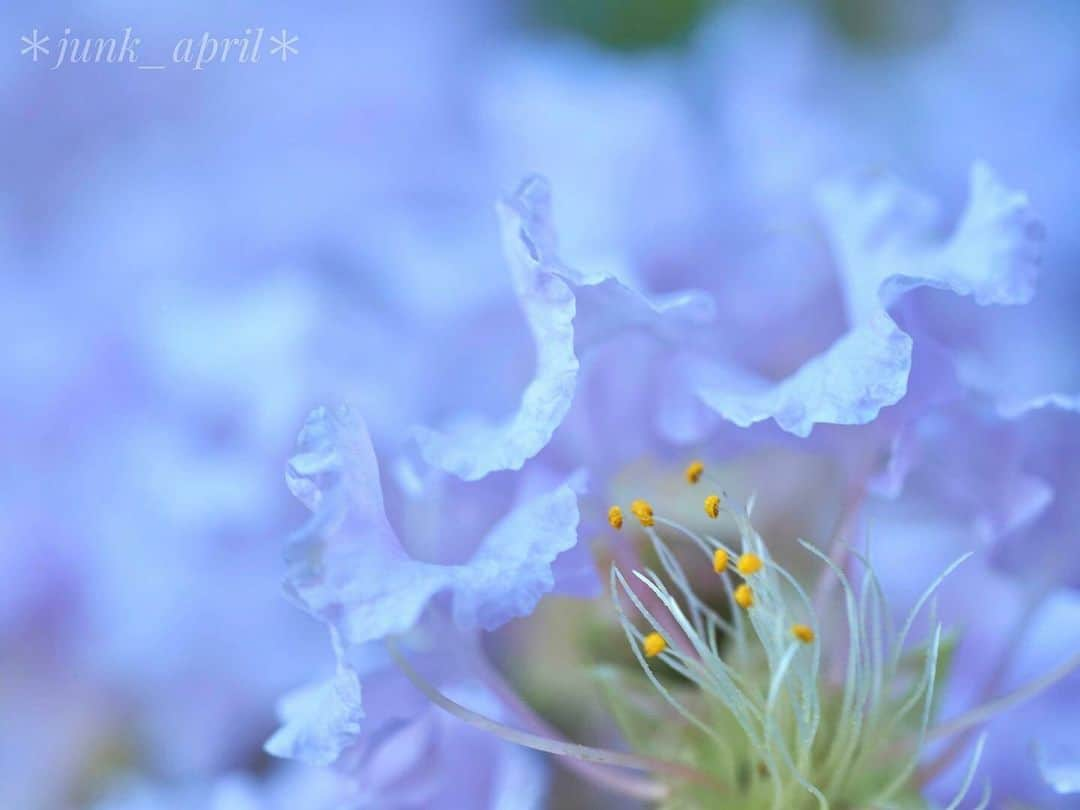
column 748, row 693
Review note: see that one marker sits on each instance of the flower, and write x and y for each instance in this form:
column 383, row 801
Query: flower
column 181, row 289
column 836, row 742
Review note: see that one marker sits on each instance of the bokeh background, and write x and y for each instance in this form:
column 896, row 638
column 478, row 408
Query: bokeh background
column 191, row 260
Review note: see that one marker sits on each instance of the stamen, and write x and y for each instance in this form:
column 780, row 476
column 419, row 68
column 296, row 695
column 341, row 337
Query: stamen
column 750, row 564
column 643, row 511
column 803, row 633
column 712, row 506
column 617, row 582
column 744, row 596
column 901, row 640
column 969, row 777
column 929, row 676
column 694, row 472
column 720, row 560
column 615, row 517
column 653, row 645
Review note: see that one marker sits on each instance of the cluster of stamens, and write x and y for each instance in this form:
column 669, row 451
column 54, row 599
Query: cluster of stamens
column 870, row 719
column 746, row 565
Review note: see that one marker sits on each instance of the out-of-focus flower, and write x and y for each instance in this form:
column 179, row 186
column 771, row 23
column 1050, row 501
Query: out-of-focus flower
column 293, row 787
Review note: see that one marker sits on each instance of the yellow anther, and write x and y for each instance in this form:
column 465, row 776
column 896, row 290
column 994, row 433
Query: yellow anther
column 694, row 471
column 802, row 632
column 744, row 597
column 712, row 506
column 720, row 560
column 654, row 644
column 643, row 511
column 750, row 564
column 614, row 517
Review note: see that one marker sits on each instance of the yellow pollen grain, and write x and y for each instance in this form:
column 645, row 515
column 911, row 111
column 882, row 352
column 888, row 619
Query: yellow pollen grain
column 720, row 560
column 654, row 644
column 614, row 517
column 712, row 506
column 694, row 471
column 744, row 597
column 750, row 564
column 802, row 632
column 643, row 511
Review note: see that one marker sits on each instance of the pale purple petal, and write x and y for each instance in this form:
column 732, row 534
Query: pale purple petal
column 512, row 569
column 568, row 312
column 884, row 239
column 476, row 446
column 348, row 567
column 862, row 372
column 319, row 721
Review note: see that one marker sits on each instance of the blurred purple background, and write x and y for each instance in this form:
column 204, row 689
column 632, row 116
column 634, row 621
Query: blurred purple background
column 191, row 260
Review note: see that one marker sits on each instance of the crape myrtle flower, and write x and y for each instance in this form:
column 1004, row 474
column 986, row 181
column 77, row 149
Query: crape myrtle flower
column 991, row 257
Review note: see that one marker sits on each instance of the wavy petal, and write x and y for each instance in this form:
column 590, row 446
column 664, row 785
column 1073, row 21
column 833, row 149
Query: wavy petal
column 512, row 569
column 882, row 234
column 319, row 721
column 1056, row 401
column 348, row 567
column 567, row 312
column 477, row 446
column 848, row 384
